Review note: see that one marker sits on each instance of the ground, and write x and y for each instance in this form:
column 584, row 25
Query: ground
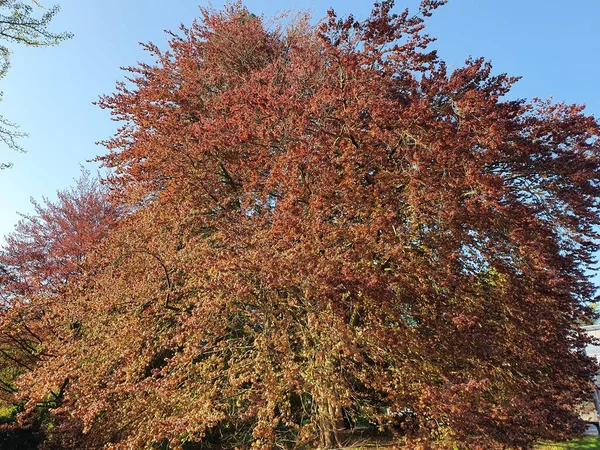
column 586, row 443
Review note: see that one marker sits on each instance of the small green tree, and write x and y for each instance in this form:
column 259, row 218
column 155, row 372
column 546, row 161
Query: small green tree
column 20, row 25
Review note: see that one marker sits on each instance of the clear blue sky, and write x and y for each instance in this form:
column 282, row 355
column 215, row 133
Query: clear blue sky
column 553, row 44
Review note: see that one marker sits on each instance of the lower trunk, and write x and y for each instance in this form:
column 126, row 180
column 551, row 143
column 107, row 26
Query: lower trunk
column 328, row 425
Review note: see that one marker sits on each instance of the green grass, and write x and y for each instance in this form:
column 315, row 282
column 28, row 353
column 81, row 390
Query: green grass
column 585, row 443
column 7, row 413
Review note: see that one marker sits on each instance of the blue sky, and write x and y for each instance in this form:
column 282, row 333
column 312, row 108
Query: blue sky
column 553, row 44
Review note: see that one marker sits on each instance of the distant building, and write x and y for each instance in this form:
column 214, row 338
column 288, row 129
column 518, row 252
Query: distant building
column 593, row 350
column 591, row 412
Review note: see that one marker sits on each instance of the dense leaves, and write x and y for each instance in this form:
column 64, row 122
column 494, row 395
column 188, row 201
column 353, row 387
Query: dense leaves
column 327, row 226
column 40, row 262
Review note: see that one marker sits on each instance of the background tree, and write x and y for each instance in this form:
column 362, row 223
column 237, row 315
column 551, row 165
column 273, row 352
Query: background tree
column 328, row 220
column 41, row 257
column 19, row 24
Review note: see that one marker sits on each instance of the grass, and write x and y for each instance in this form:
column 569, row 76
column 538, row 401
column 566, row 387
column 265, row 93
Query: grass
column 585, row 443
column 7, row 413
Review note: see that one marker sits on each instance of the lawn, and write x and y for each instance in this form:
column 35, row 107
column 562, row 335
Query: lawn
column 7, row 413
column 585, row 443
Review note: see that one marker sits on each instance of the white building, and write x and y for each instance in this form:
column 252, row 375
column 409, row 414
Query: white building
column 591, row 412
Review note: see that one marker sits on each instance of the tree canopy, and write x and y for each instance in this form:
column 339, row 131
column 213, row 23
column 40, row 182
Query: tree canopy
column 324, row 226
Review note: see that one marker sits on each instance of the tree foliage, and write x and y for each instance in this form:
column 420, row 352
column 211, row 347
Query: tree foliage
column 39, row 261
column 328, row 223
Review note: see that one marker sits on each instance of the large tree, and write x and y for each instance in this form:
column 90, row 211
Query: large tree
column 324, row 223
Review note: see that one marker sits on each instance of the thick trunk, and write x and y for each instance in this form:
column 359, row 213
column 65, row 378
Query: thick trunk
column 328, row 425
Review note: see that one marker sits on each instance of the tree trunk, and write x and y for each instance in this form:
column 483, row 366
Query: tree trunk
column 328, row 425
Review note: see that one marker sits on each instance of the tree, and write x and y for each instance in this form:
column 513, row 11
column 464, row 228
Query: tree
column 19, row 25
column 41, row 257
column 328, row 222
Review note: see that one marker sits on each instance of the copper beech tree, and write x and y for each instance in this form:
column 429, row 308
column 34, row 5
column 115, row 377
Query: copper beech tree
column 327, row 223
column 41, row 258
